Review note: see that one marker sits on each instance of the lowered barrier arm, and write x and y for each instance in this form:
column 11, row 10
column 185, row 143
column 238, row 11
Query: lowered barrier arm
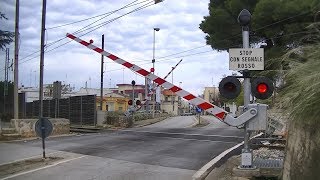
column 216, row 111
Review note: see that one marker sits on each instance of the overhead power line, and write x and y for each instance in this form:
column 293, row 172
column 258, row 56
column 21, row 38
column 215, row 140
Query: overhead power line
column 130, row 5
column 86, row 19
column 82, row 30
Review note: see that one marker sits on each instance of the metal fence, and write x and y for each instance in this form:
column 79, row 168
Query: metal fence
column 80, row 110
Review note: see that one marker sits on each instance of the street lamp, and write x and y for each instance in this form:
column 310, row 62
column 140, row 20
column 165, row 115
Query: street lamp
column 153, row 61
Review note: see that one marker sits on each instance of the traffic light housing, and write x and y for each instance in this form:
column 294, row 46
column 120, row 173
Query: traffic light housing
column 138, row 102
column 230, row 87
column 262, row 87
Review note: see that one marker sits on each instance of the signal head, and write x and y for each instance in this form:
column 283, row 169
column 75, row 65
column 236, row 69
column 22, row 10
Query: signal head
column 230, row 87
column 262, row 87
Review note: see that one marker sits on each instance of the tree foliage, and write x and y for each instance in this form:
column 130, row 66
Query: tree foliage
column 6, row 37
column 277, row 23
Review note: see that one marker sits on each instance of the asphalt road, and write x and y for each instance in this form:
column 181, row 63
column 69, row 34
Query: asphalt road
column 170, row 149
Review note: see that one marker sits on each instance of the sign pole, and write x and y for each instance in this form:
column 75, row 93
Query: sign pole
column 43, row 138
column 246, row 155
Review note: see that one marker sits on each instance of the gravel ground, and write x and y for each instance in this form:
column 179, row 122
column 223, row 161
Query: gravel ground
column 224, row 172
column 265, row 153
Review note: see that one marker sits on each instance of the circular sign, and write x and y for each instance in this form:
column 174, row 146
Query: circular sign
column 43, row 127
column 199, row 110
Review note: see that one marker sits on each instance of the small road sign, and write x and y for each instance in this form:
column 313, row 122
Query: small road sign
column 199, row 110
column 46, row 126
column 249, row 58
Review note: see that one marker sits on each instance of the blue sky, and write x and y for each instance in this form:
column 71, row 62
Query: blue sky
column 130, row 37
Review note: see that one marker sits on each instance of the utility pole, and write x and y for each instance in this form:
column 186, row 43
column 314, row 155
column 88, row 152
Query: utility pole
column 16, row 70
column 172, row 98
column 43, row 28
column 246, row 156
column 153, row 61
column 6, row 79
column 133, row 83
column 101, row 87
column 146, row 94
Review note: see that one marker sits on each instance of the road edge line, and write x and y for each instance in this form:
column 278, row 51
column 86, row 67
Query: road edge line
column 207, row 168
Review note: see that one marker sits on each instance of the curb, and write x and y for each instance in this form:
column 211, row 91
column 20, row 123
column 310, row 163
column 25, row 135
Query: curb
column 207, row 168
column 195, row 122
column 35, row 138
column 159, row 119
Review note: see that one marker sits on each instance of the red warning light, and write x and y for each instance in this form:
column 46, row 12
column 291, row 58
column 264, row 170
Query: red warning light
column 262, row 88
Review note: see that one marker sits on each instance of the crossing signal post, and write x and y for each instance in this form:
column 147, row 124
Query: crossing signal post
column 244, row 60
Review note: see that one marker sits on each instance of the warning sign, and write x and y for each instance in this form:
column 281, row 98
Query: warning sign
column 250, row 59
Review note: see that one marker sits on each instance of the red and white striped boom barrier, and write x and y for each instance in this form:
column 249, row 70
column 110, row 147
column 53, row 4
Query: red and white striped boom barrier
column 154, row 89
column 218, row 112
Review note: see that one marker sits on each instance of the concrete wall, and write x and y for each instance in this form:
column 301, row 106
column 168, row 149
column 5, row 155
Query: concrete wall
column 100, row 117
column 302, row 159
column 26, row 127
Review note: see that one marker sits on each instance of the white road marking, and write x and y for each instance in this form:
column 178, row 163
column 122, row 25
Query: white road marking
column 45, row 167
column 190, row 139
column 169, row 133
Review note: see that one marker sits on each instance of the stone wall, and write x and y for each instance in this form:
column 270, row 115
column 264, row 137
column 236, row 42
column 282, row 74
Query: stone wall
column 26, row 127
column 302, row 159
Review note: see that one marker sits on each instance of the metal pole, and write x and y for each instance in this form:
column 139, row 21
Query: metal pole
column 6, row 79
column 246, row 152
column 101, row 87
column 153, row 61
column 146, row 95
column 16, row 70
column 133, row 103
column 172, row 101
column 44, row 6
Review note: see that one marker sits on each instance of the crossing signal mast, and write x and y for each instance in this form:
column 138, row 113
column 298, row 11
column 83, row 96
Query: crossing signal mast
column 243, row 60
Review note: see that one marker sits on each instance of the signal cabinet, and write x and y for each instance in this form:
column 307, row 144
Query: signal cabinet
column 259, row 122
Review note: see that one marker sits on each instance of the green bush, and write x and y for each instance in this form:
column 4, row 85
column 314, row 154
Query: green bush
column 112, row 117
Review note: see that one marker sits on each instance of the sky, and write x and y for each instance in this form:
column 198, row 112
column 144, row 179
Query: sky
column 130, row 37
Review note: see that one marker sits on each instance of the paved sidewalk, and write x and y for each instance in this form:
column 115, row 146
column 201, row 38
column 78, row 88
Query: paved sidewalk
column 14, row 152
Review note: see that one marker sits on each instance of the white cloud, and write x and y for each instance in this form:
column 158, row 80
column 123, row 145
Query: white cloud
column 130, row 37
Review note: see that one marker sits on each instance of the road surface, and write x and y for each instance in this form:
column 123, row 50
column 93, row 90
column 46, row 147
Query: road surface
column 170, row 149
